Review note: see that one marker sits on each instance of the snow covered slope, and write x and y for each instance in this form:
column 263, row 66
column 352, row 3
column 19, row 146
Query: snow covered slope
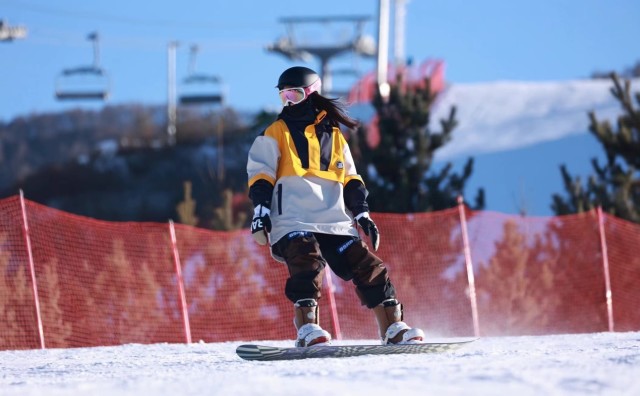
column 501, row 116
column 583, row 364
column 519, row 133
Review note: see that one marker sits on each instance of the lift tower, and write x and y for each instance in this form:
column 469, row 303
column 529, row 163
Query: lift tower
column 294, row 47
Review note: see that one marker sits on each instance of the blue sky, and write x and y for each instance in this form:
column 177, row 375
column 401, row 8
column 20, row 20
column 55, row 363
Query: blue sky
column 480, row 41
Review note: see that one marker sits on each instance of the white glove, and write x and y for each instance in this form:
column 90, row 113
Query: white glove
column 261, row 224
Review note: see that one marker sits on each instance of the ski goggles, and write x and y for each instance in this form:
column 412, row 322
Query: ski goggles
column 293, row 96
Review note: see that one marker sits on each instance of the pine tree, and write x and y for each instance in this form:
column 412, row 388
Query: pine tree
column 516, row 287
column 56, row 327
column 399, row 166
column 616, row 184
column 14, row 296
column 125, row 300
column 186, row 208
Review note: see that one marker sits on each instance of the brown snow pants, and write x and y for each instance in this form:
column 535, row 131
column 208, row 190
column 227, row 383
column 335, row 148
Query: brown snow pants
column 307, row 254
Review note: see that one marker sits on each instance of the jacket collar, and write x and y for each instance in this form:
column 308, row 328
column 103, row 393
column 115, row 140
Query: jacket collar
column 303, row 113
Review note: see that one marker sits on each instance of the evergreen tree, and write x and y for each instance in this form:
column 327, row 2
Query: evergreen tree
column 57, row 328
column 629, row 72
column 616, row 184
column 16, row 318
column 516, row 287
column 399, row 166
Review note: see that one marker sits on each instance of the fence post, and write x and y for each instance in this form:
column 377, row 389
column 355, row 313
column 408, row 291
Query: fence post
column 605, row 265
column 332, row 303
column 32, row 269
column 469, row 266
column 183, row 298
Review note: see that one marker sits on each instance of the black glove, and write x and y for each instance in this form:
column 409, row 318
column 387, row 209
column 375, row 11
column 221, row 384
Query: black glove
column 369, row 228
column 261, row 224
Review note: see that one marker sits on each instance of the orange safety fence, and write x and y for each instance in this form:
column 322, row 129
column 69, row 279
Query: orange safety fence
column 72, row 281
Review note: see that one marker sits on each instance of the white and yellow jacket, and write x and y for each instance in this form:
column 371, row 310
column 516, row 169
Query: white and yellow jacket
column 302, row 169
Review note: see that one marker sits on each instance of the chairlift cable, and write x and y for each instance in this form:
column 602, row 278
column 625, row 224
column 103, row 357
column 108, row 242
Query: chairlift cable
column 209, row 25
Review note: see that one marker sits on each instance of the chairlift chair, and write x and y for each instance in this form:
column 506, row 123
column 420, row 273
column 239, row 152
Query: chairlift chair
column 84, row 82
column 199, row 88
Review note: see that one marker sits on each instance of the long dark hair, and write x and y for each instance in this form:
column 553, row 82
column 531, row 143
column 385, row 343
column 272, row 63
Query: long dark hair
column 336, row 110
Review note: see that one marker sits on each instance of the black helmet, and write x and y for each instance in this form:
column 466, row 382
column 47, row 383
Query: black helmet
column 298, row 76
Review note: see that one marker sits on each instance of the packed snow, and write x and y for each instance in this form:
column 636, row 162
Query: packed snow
column 582, row 364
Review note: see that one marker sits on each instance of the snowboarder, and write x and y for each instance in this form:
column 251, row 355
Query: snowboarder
column 308, row 202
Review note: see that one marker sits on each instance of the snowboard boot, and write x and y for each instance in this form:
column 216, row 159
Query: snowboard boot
column 307, row 321
column 392, row 329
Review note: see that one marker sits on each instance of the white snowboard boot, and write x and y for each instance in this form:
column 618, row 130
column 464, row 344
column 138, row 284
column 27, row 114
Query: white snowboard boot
column 392, row 329
column 307, row 320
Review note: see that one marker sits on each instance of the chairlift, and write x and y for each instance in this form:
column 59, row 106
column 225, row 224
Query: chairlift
column 199, row 88
column 84, row 82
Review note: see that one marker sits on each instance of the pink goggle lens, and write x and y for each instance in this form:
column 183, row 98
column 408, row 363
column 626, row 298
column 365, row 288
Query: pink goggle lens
column 292, row 96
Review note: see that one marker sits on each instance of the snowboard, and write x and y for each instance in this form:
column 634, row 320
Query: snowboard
column 270, row 353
